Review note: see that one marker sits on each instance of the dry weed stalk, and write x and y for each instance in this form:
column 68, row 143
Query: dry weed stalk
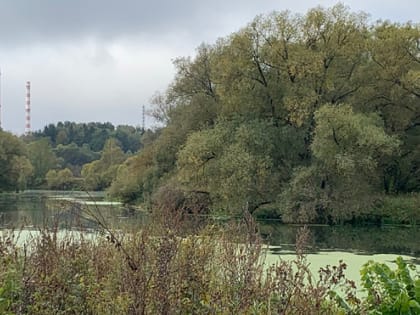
column 162, row 269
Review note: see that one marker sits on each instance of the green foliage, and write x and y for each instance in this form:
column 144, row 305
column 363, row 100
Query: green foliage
column 61, row 179
column 129, row 138
column 401, row 208
column 239, row 164
column 72, row 145
column 10, row 288
column 323, row 98
column 99, row 174
column 135, row 177
column 42, row 159
column 72, row 155
column 347, row 148
column 346, row 142
column 15, row 167
column 91, row 135
column 391, row 291
column 301, row 200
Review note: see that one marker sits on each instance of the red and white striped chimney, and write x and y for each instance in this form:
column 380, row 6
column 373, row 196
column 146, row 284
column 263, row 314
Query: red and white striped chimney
column 28, row 109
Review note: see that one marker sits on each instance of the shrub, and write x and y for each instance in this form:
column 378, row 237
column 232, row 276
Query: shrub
column 401, row 208
column 391, row 291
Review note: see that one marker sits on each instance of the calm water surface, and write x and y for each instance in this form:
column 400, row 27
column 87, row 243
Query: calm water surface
column 355, row 245
column 35, row 209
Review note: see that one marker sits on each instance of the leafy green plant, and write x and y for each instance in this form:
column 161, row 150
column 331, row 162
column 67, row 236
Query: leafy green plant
column 391, row 291
column 10, row 273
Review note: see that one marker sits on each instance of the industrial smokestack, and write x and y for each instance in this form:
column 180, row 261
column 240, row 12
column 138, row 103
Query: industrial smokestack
column 28, row 109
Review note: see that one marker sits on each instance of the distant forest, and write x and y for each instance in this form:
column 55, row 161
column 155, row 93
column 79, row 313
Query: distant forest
column 306, row 118
column 68, row 155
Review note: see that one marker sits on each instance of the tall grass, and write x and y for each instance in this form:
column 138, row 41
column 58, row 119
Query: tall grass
column 168, row 267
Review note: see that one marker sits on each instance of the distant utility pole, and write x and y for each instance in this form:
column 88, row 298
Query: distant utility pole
column 28, row 109
column 143, row 120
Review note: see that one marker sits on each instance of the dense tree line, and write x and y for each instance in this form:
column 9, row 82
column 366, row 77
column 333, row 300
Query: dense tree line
column 67, row 156
column 315, row 116
column 92, row 135
column 70, row 147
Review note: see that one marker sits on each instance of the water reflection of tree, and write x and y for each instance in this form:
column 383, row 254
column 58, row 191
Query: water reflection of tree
column 20, row 210
column 40, row 210
column 63, row 210
column 367, row 239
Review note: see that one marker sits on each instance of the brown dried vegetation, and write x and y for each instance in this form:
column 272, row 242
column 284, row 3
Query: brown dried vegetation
column 167, row 267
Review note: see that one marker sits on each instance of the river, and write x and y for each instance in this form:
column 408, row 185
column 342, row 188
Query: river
column 31, row 210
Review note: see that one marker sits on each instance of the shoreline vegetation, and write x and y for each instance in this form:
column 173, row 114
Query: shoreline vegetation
column 174, row 266
column 310, row 118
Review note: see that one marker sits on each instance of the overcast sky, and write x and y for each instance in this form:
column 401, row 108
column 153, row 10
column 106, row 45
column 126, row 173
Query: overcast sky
column 101, row 60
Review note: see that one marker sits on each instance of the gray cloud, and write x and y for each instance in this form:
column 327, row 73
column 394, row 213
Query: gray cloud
column 100, row 60
column 45, row 20
column 49, row 20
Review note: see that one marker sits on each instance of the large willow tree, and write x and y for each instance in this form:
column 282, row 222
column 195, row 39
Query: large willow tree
column 317, row 115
